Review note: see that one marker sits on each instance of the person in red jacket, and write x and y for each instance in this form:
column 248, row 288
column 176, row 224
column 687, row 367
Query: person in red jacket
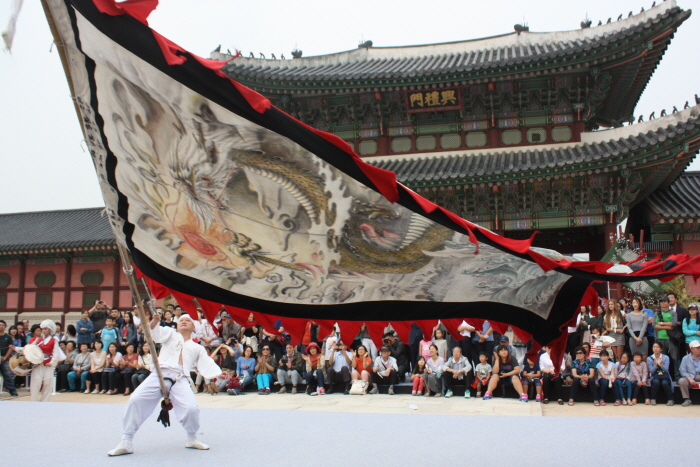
column 42, row 381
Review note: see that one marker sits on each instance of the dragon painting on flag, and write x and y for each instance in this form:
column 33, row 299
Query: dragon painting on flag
column 221, row 197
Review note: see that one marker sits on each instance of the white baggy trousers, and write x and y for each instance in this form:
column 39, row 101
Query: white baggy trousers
column 145, row 399
column 41, row 384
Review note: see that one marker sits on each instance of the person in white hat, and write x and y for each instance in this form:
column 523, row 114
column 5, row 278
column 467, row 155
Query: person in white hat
column 42, row 381
column 690, row 371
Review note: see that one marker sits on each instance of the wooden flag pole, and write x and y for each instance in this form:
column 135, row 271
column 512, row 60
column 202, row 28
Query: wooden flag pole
column 145, row 324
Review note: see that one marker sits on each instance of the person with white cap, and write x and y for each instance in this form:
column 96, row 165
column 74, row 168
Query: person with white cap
column 690, row 372
column 178, row 356
column 42, row 382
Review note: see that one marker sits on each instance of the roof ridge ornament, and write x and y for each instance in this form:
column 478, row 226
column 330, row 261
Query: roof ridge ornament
column 365, row 44
column 521, row 28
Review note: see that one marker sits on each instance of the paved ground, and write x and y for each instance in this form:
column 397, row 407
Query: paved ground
column 397, row 404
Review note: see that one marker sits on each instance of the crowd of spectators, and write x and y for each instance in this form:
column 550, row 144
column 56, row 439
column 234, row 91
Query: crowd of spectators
column 625, row 348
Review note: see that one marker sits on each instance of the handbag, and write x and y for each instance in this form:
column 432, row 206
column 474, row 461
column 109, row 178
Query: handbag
column 127, row 370
column 64, row 367
column 358, row 387
column 143, row 371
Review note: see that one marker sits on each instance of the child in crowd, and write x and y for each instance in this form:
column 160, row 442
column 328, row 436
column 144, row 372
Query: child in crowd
column 597, row 345
column 424, row 348
column 623, row 385
column 483, row 373
column 639, row 377
column 417, row 377
column 606, row 374
column 532, row 375
column 441, row 343
column 109, row 333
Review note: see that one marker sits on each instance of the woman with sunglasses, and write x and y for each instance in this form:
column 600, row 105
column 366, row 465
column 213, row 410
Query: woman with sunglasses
column 264, row 370
column 584, row 376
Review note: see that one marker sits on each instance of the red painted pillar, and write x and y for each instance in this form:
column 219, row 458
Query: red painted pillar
column 22, row 274
column 383, row 146
column 115, row 282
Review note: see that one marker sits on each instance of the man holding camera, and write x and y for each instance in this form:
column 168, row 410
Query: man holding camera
column 400, row 353
column 98, row 314
column 290, row 369
column 339, row 367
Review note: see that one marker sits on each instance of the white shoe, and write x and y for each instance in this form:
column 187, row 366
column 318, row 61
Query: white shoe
column 122, row 448
column 87, row 391
column 196, row 444
column 95, row 392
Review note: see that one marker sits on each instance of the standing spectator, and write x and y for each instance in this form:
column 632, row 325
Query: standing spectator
column 677, row 337
column 339, row 367
column 6, row 350
column 415, row 335
column 439, row 340
column 606, row 375
column 315, row 374
column 111, row 366
column 290, row 369
column 615, row 326
column 98, row 314
column 127, row 367
column 265, row 368
column 280, row 339
column 59, row 332
column 573, row 339
column 229, row 330
column 98, row 360
column 70, row 335
column 208, row 338
column 550, row 378
column 362, row 366
column 583, row 375
column 399, row 352
column 532, row 375
column 15, row 335
column 465, row 330
column 168, row 320
column 483, row 372
column 109, row 334
column 177, row 312
column 34, row 333
column 22, row 332
column 433, row 372
column 639, row 377
column 81, row 369
column 65, row 367
column 691, row 326
column 424, row 348
column 363, row 338
column 690, row 372
column 659, row 367
column 250, row 332
column 128, row 334
column 482, row 341
column 623, row 384
column 385, row 370
column 144, row 366
column 117, row 320
column 245, row 366
column 505, row 372
column 417, row 377
column 673, row 305
column 85, row 328
column 665, row 321
column 456, row 371
column 597, row 345
column 587, row 319
column 328, row 346
column 637, row 324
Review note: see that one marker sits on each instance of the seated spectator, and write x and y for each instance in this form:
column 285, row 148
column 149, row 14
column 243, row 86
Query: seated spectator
column 143, row 369
column 290, row 369
column 315, row 373
column 110, row 370
column 66, row 367
column 432, row 377
column 208, row 338
column 456, row 371
column 400, row 352
column 245, row 367
column 81, row 369
column 659, row 375
column 532, row 376
column 623, row 385
column 583, row 375
column 250, row 331
column 505, row 372
column 549, row 377
column 639, row 377
column 690, row 371
column 385, row 370
column 362, row 365
column 483, row 372
column 85, row 328
column 417, row 377
column 98, row 360
column 127, row 367
column 691, row 326
column 265, row 368
column 223, row 356
column 606, row 374
column 339, row 367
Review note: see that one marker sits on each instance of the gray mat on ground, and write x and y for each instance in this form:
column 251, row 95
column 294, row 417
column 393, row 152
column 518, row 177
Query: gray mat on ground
column 81, row 434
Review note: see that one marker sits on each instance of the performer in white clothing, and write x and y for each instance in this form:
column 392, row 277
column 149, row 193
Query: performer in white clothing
column 42, row 382
column 178, row 356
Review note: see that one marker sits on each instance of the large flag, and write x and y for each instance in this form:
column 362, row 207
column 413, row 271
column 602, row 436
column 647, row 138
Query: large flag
column 222, row 197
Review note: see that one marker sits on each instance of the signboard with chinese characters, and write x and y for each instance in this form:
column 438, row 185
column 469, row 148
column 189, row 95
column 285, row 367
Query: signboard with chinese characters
column 432, row 100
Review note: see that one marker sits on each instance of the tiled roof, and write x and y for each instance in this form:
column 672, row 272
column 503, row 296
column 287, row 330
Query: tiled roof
column 438, row 59
column 54, row 229
column 594, row 146
column 681, row 199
